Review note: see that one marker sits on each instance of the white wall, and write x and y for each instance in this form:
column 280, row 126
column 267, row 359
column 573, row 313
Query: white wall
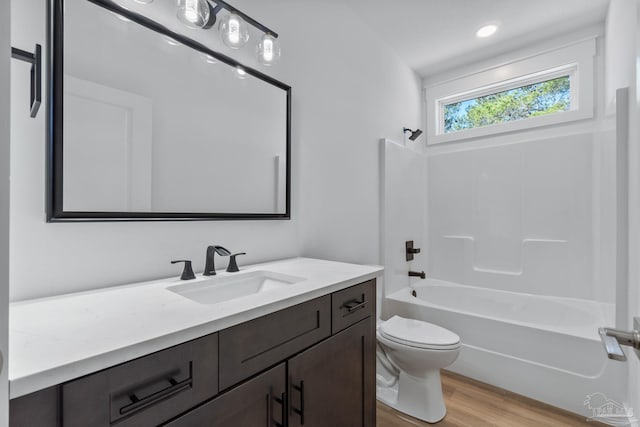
column 620, row 43
column 362, row 92
column 530, row 211
column 348, row 91
column 5, row 47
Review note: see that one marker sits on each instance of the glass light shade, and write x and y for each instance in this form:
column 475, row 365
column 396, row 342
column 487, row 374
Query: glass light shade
column 234, row 31
column 193, row 13
column 268, row 50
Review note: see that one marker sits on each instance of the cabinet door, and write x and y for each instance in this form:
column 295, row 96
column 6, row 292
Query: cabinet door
column 335, row 380
column 255, row 403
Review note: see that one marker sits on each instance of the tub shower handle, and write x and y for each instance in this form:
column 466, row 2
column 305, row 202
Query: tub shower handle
column 612, row 339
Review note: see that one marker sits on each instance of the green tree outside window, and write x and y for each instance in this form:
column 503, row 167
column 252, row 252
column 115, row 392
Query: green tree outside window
column 533, row 100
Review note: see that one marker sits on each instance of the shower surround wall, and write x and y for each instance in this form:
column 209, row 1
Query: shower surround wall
column 523, row 217
column 530, row 211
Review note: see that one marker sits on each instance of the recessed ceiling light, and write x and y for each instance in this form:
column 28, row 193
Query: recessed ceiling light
column 487, row 30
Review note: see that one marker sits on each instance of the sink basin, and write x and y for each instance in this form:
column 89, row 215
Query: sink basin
column 215, row 290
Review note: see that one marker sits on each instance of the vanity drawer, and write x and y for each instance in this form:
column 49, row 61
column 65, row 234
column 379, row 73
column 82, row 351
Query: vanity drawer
column 253, row 346
column 353, row 304
column 145, row 391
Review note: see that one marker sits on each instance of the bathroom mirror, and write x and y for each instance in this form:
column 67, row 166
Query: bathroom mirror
column 149, row 124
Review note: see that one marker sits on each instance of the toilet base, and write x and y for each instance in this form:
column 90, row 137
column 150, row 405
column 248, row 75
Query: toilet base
column 419, row 397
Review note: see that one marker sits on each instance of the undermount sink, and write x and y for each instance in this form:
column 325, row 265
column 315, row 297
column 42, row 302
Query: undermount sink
column 218, row 289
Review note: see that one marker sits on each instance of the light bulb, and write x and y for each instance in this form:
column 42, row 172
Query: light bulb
column 268, row 50
column 193, row 13
column 143, row 1
column 234, row 31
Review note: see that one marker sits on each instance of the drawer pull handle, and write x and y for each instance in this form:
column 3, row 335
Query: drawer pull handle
column 137, row 403
column 301, row 410
column 354, row 305
column 283, row 412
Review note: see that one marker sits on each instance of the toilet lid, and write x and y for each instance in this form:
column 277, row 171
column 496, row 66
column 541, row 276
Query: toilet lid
column 417, row 333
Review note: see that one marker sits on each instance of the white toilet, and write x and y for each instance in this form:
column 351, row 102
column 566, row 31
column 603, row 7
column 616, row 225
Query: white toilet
column 410, row 355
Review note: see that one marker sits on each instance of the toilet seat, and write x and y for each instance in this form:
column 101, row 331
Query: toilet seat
column 419, row 334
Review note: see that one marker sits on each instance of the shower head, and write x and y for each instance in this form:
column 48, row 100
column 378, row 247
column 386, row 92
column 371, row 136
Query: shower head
column 415, row 134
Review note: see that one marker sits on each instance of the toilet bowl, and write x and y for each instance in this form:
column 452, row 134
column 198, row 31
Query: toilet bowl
column 410, row 355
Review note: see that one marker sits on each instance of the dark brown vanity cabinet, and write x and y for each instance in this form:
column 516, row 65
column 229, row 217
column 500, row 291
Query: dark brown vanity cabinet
column 309, row 365
column 335, row 380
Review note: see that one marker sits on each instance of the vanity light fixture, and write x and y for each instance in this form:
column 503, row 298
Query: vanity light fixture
column 234, row 27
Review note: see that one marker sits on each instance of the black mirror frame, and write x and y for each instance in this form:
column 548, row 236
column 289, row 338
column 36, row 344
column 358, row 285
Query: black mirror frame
column 55, row 75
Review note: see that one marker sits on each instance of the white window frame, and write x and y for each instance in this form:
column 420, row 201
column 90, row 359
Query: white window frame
column 576, row 61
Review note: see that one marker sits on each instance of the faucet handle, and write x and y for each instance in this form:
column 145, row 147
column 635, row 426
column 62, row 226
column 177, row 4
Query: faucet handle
column 187, row 272
column 233, row 265
column 410, row 250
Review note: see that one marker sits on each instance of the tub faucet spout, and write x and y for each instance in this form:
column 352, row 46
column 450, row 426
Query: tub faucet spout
column 419, row 274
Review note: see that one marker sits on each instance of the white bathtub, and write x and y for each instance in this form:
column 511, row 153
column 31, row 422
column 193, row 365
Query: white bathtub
column 546, row 348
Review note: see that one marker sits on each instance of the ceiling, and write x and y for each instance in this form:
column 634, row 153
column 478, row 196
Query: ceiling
column 434, row 35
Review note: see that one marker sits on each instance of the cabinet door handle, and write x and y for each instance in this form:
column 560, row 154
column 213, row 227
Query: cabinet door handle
column 174, row 388
column 300, row 411
column 283, row 412
column 354, row 305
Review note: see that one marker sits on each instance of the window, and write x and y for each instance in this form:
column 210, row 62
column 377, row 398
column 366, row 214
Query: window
column 533, row 100
column 552, row 87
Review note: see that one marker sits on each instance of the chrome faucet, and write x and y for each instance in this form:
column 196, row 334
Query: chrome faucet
column 209, row 264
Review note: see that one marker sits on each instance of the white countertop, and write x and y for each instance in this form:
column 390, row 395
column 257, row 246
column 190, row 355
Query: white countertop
column 56, row 339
